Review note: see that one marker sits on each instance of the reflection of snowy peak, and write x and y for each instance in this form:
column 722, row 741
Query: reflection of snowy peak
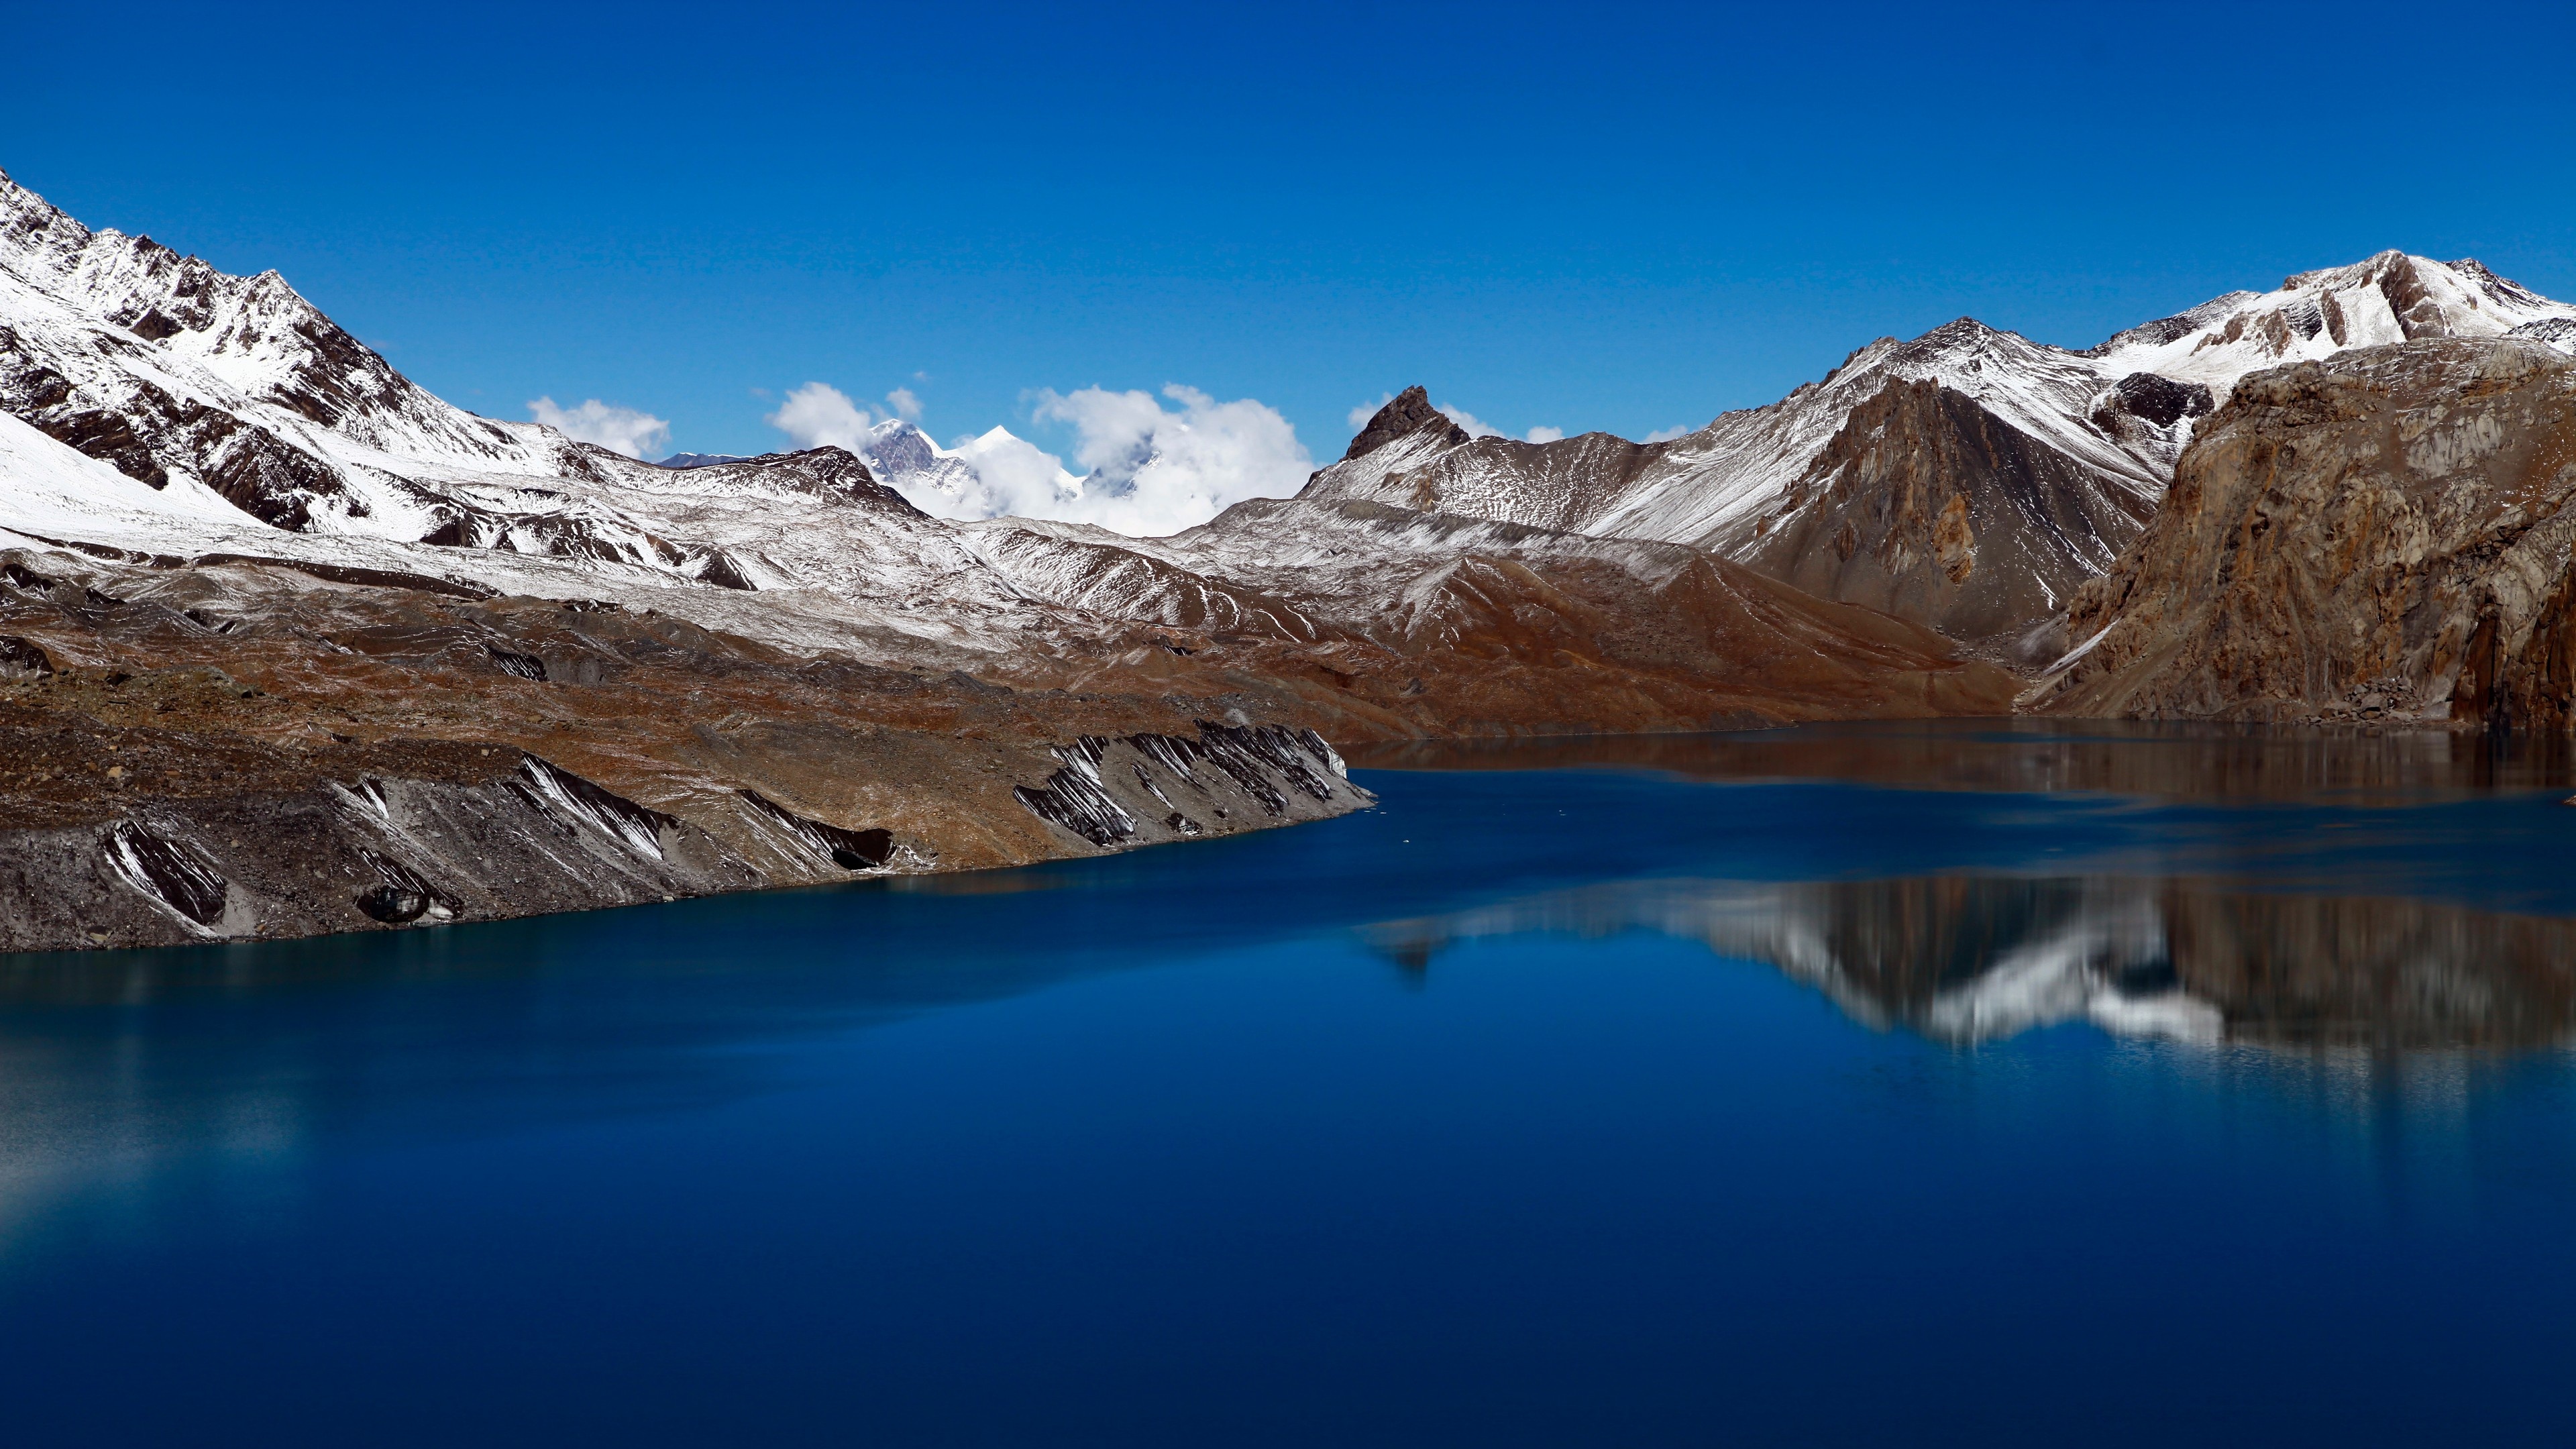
column 1969, row 958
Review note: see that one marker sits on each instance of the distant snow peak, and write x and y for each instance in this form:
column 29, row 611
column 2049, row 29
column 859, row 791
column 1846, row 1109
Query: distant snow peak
column 619, row 430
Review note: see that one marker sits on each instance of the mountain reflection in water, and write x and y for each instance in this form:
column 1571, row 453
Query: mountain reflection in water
column 1968, row 959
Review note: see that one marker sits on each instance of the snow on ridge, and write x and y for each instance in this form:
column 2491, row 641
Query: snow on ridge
column 1714, row 487
column 2387, row 298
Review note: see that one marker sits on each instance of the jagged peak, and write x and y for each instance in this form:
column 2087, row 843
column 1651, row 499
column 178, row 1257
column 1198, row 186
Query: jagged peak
column 1405, row 414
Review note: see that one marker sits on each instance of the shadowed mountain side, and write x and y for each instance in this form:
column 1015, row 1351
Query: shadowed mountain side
column 1966, row 479
column 1970, row 958
column 2379, row 534
column 2173, row 760
column 1928, row 506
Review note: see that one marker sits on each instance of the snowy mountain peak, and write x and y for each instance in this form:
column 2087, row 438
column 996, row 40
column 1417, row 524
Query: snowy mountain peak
column 83, row 301
column 2386, row 298
column 931, row 477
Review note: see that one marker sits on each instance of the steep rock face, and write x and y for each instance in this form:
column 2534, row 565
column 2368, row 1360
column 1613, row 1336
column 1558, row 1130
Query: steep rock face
column 2379, row 533
column 1406, row 414
column 255, row 335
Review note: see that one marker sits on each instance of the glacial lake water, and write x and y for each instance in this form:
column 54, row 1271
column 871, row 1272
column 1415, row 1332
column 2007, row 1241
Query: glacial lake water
column 1973, row 1083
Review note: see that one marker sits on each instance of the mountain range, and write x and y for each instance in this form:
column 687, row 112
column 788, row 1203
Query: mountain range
column 255, row 585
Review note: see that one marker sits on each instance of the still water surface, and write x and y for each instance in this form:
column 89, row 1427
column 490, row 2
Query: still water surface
column 1921, row 1084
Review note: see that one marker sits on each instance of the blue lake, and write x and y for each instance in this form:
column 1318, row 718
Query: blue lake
column 1911, row 1084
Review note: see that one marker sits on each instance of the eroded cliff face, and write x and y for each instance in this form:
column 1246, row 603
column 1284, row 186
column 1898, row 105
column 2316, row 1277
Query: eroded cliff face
column 2379, row 534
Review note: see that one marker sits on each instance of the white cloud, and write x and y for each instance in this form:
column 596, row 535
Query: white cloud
column 1155, row 470
column 1014, row 477
column 1666, row 435
column 1149, row 468
column 1360, row 415
column 819, row 415
column 620, row 430
column 1476, row 427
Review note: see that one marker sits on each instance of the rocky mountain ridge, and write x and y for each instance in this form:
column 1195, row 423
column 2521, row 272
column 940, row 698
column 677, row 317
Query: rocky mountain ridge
column 1968, row 479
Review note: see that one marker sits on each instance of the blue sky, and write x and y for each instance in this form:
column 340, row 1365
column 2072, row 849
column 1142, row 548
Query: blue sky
column 1581, row 217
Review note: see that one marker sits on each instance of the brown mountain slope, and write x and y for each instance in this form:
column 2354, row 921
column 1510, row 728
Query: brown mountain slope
column 2379, row 533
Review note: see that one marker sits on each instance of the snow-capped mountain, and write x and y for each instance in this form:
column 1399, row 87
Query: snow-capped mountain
column 184, row 376
column 2391, row 297
column 1968, row 478
column 937, row 479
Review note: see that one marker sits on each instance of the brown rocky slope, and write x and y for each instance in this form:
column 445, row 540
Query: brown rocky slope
column 2378, row 534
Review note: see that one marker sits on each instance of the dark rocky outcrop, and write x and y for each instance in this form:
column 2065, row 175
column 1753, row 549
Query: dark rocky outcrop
column 20, row 659
column 2157, row 399
column 1409, row 412
column 848, row 849
column 1103, row 791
